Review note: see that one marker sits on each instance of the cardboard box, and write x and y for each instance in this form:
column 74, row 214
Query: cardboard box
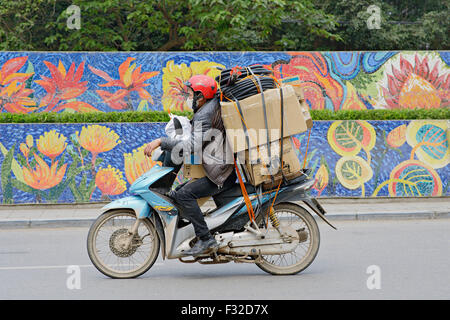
column 296, row 84
column 296, row 118
column 193, row 171
column 269, row 185
column 305, row 111
column 258, row 171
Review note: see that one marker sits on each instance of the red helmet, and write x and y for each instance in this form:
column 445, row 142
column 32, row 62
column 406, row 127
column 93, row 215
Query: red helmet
column 204, row 84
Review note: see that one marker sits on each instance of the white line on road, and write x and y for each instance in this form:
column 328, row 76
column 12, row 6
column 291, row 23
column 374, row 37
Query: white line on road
column 41, row 267
column 52, row 267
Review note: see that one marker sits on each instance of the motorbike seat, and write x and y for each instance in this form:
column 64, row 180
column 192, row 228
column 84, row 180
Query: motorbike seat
column 231, row 193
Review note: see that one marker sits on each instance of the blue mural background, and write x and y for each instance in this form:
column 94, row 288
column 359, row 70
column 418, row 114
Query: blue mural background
column 348, row 158
column 388, row 151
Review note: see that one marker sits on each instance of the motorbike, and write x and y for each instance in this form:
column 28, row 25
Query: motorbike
column 282, row 238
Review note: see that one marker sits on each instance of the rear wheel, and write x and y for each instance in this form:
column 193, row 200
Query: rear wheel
column 305, row 252
column 107, row 250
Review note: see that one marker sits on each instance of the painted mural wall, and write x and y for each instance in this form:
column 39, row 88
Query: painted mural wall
column 50, row 163
column 64, row 163
column 107, row 81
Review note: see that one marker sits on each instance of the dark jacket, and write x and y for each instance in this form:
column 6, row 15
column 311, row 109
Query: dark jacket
column 217, row 158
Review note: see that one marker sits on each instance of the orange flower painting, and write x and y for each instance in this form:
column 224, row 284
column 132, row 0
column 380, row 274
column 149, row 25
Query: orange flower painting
column 63, row 85
column 14, row 95
column 131, row 79
column 25, row 148
column 15, row 98
column 137, row 163
column 97, row 139
column 110, row 181
column 43, row 177
column 52, row 144
column 9, row 71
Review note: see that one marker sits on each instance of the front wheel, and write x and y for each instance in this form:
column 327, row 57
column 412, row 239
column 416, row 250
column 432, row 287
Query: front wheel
column 107, row 249
column 305, row 252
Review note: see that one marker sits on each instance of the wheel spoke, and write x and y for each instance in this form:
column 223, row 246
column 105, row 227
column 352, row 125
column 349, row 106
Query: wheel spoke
column 291, row 219
column 109, row 244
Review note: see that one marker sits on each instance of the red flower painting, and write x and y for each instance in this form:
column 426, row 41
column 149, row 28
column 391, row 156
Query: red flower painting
column 15, row 98
column 8, row 72
column 130, row 79
column 422, row 84
column 14, row 95
column 64, row 85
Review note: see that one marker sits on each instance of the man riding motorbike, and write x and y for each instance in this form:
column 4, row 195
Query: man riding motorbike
column 220, row 174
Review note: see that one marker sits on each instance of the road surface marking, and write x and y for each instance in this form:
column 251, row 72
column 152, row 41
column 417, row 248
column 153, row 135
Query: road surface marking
column 52, row 267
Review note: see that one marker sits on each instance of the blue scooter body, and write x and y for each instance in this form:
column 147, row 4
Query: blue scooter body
column 164, row 214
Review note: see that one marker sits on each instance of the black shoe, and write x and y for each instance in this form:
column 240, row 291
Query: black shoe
column 202, row 247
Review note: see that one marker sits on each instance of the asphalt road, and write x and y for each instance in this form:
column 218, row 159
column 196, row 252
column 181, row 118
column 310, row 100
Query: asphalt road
column 411, row 259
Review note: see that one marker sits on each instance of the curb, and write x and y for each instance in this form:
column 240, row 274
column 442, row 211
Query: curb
column 87, row 222
column 389, row 216
column 45, row 223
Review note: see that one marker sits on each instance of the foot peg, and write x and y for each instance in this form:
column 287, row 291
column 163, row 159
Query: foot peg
column 202, row 247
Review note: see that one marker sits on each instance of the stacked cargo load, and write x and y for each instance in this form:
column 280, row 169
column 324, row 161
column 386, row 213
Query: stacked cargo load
column 260, row 114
